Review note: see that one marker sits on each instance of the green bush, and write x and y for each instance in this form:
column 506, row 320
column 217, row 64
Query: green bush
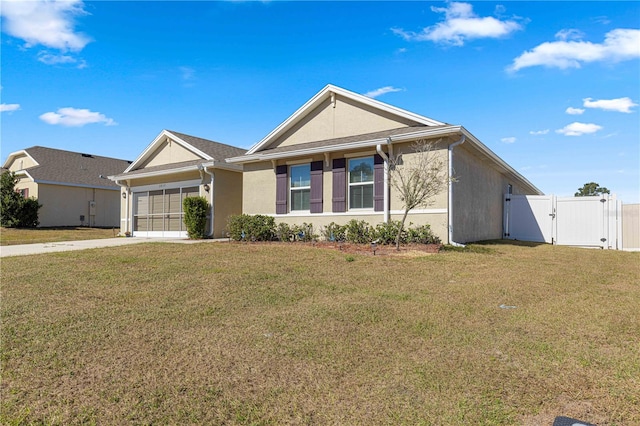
column 246, row 227
column 335, row 232
column 386, row 233
column 195, row 216
column 15, row 210
column 422, row 235
column 358, row 232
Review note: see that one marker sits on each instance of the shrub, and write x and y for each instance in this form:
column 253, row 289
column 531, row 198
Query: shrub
column 386, row 233
column 304, row 232
column 358, row 232
column 422, row 235
column 246, row 227
column 284, row 232
column 15, row 210
column 335, row 232
column 195, row 216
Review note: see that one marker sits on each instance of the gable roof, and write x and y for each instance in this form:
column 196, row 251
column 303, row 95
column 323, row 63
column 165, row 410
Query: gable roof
column 327, row 93
column 209, row 151
column 59, row 167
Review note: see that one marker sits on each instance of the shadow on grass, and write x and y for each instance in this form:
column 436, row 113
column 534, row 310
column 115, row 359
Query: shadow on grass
column 486, row 246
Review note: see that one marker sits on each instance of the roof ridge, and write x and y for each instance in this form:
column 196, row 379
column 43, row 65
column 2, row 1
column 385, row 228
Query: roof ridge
column 204, row 139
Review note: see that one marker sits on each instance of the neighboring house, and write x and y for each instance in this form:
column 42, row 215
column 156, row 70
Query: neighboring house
column 328, row 162
column 72, row 187
column 172, row 167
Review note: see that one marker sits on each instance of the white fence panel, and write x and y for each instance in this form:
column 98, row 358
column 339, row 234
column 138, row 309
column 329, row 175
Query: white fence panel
column 574, row 221
column 580, row 222
column 529, row 218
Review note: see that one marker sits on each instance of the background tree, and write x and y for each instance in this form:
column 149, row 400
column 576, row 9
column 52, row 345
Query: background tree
column 419, row 180
column 590, row 189
column 15, row 210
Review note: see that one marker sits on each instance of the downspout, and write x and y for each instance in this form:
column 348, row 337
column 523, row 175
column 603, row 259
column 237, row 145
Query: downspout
column 126, row 213
column 385, row 158
column 450, row 209
column 210, row 200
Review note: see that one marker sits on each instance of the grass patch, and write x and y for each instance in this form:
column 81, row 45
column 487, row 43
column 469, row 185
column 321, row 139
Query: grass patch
column 273, row 334
column 14, row 236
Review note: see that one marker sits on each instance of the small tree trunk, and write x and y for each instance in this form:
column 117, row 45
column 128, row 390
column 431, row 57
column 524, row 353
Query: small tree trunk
column 404, row 217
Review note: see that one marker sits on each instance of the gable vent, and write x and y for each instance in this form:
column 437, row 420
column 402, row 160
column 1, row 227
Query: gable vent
column 87, row 155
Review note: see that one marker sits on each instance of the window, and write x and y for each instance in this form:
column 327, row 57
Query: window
column 300, row 186
column 361, row 183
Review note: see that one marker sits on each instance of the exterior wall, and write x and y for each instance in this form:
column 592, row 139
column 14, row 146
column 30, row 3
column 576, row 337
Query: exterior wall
column 477, row 198
column 227, row 199
column 259, row 188
column 259, row 195
column 345, row 119
column 27, row 183
column 63, row 206
column 631, row 226
column 169, row 152
column 21, row 162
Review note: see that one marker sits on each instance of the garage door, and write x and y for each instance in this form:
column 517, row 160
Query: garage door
column 159, row 213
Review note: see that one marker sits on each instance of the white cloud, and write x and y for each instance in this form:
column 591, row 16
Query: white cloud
column 52, row 59
column 187, row 73
column 619, row 105
column 381, row 91
column 9, row 107
column 539, row 132
column 569, row 34
column 574, row 111
column 46, row 23
column 510, row 139
column 618, row 45
column 73, row 117
column 461, row 24
column 579, row 129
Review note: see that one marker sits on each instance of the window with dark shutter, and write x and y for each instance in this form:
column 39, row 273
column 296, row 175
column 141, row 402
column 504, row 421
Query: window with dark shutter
column 378, row 183
column 339, row 198
column 281, row 189
column 316, row 187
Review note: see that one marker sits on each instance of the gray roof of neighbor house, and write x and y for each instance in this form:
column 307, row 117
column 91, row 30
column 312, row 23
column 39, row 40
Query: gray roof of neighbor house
column 74, row 168
column 217, row 150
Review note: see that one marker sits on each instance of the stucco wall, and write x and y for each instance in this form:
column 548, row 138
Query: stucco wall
column 63, row 206
column 227, row 199
column 345, row 119
column 478, row 197
column 27, row 183
column 21, row 162
column 169, row 152
column 259, row 188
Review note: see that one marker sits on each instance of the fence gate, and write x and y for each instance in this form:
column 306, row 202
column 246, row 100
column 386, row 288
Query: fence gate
column 572, row 221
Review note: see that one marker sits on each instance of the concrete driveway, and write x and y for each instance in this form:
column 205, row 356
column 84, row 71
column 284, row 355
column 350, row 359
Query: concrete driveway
column 27, row 249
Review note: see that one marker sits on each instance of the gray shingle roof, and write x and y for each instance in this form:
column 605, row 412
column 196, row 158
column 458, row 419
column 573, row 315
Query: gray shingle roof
column 74, row 168
column 219, row 151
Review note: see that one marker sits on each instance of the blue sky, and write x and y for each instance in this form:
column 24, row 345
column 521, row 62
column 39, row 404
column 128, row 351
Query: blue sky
column 551, row 87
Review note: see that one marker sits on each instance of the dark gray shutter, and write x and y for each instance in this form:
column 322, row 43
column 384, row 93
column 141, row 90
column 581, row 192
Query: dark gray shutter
column 339, row 198
column 315, row 199
column 378, row 183
column 281, row 189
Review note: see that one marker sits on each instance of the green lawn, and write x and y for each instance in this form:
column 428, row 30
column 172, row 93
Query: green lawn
column 13, row 236
column 226, row 333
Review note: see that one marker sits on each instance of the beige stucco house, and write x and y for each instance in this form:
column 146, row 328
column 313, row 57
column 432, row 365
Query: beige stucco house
column 329, row 162
column 72, row 187
column 172, row 167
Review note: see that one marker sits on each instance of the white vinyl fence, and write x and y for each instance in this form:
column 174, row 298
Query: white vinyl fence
column 571, row 221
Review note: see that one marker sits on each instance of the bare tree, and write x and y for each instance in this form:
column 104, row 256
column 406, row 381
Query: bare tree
column 419, row 180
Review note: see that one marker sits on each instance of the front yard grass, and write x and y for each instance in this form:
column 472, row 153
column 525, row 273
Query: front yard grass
column 225, row 333
column 13, row 236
